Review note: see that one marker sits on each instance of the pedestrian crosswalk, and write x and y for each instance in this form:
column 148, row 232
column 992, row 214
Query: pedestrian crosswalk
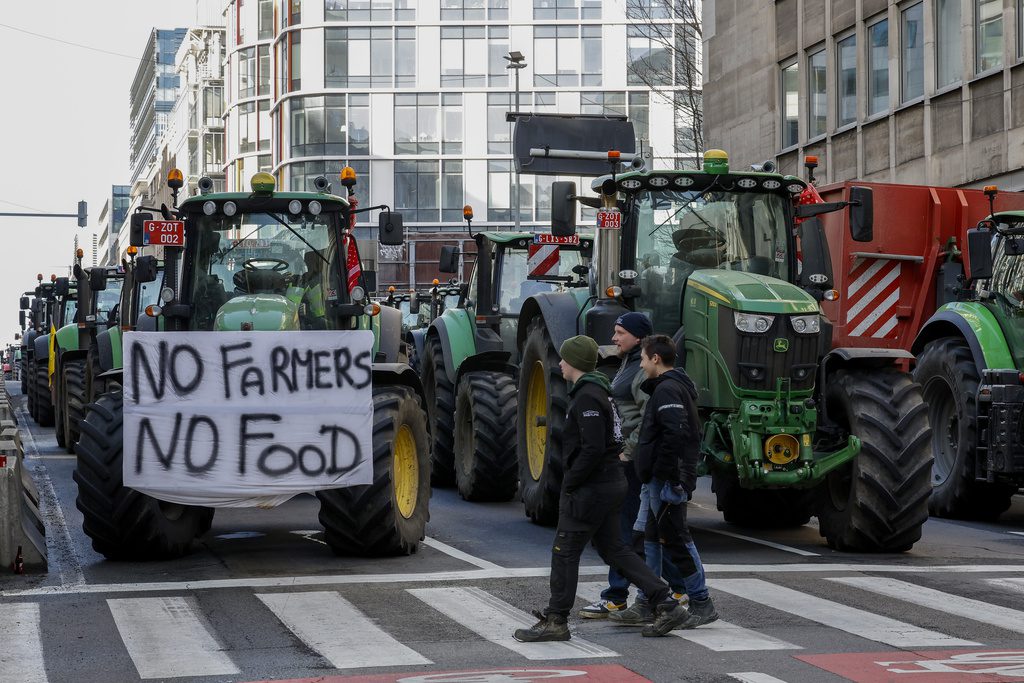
column 181, row 636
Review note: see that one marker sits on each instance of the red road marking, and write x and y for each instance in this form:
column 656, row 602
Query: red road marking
column 601, row 673
column 932, row 666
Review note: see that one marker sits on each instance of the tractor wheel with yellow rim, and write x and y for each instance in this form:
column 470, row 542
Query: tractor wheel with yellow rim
column 388, row 517
column 543, row 399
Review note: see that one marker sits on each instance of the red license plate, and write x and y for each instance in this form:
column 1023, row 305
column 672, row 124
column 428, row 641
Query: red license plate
column 547, row 238
column 163, row 233
column 609, row 220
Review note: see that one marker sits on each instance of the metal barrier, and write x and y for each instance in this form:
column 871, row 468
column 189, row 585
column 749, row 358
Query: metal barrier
column 22, row 532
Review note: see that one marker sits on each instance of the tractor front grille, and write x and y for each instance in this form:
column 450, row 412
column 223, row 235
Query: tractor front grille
column 754, row 362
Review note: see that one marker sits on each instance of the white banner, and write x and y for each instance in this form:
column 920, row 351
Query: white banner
column 239, row 419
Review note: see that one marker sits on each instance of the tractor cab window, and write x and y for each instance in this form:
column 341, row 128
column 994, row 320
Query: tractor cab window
column 515, row 287
column 1007, row 274
column 273, row 260
column 108, row 299
column 70, row 308
column 680, row 232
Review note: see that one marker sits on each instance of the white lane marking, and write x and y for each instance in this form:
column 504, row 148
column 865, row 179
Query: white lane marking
column 51, row 457
column 1017, row 533
column 755, row 677
column 21, row 644
column 333, row 627
column 504, row 573
column 1016, row 585
column 759, row 541
column 308, row 534
column 975, row 610
column 59, row 545
column 719, row 636
column 169, row 638
column 458, row 554
column 836, row 615
column 495, row 620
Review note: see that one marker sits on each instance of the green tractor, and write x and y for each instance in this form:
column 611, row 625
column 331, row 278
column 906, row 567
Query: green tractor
column 469, row 357
column 250, row 262
column 970, row 356
column 792, row 426
column 58, row 312
column 27, row 320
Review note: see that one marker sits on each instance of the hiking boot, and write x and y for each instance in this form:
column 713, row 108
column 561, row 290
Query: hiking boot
column 637, row 615
column 601, row 609
column 701, row 612
column 550, row 627
column 667, row 616
column 682, row 598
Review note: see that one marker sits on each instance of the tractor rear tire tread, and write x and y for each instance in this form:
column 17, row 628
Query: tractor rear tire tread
column 44, row 402
column 440, row 412
column 74, row 400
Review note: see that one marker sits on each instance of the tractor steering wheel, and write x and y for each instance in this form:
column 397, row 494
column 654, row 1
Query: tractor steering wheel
column 277, row 265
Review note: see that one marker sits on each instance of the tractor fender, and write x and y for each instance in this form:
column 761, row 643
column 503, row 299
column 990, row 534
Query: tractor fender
column 390, row 374
column 42, row 348
column 976, row 325
column 845, row 357
column 105, row 344
column 67, row 338
column 560, row 312
column 389, row 333
column 454, row 330
column 417, row 339
column 494, row 361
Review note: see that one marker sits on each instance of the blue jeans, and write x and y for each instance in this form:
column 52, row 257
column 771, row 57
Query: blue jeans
column 674, row 540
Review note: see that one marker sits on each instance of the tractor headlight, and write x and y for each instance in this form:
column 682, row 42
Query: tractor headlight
column 295, row 206
column 209, row 208
column 230, row 209
column 315, row 207
column 358, row 293
column 753, row 323
column 806, row 324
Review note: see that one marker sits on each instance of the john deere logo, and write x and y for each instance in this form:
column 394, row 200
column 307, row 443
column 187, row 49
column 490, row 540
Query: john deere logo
column 781, row 345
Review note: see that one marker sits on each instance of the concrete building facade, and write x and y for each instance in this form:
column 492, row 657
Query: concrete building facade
column 918, row 91
column 151, row 98
column 112, row 215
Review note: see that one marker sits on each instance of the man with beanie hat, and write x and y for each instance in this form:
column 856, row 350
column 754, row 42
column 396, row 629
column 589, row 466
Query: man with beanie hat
column 593, row 489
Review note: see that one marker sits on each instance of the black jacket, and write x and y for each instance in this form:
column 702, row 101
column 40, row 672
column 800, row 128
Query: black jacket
column 589, row 445
column 669, row 446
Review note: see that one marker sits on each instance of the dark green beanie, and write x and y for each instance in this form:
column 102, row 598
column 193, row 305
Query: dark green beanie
column 580, row 352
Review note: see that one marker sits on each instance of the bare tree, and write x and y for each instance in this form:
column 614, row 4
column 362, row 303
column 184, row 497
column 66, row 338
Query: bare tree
column 664, row 54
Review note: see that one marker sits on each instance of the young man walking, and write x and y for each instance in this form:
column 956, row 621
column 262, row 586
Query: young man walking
column 593, row 489
column 666, row 458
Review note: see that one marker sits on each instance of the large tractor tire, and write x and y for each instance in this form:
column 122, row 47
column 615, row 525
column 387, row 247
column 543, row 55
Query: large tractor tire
column 29, row 378
column 73, row 400
column 760, row 508
column 94, row 385
column 949, row 380
column 440, row 397
column 879, row 501
column 44, row 402
column 123, row 523
column 485, row 426
column 543, row 400
column 24, row 381
column 388, row 517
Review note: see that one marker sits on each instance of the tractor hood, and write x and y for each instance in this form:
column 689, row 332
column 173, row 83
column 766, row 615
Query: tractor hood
column 265, row 312
column 752, row 293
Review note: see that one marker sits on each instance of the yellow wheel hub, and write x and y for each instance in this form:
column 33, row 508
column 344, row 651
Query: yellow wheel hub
column 405, row 474
column 536, row 420
column 782, row 449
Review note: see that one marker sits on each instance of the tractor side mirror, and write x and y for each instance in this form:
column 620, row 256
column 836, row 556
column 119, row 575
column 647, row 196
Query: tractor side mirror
column 391, row 230
column 563, row 208
column 145, row 269
column 979, row 253
column 862, row 214
column 135, row 238
column 25, row 303
column 21, row 318
column 97, row 279
column 449, row 261
column 61, row 287
column 817, row 262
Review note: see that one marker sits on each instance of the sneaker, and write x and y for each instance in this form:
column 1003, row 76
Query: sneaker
column 637, row 615
column 549, row 627
column 667, row 616
column 682, row 598
column 601, row 609
column 701, row 612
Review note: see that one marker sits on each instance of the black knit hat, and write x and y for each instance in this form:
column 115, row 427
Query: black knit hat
column 637, row 324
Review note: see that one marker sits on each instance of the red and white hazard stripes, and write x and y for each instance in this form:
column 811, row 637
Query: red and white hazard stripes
column 352, row 266
column 542, row 260
column 872, row 298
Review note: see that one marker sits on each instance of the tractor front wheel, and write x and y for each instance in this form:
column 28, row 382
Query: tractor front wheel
column 879, row 501
column 440, row 398
column 74, row 400
column 44, row 403
column 485, row 425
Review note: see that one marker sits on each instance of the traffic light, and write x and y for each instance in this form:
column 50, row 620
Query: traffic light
column 82, row 214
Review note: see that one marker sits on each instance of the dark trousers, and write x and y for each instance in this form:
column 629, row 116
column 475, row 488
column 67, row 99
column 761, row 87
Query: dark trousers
column 618, row 585
column 592, row 513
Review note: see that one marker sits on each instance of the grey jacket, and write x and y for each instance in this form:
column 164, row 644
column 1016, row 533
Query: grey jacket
column 629, row 399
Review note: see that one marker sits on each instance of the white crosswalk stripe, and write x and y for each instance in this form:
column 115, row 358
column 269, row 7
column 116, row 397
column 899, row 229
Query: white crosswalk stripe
column 495, row 620
column 169, row 638
column 1012, row 584
column 755, row 677
column 975, row 610
column 333, row 627
column 836, row 615
column 21, row 647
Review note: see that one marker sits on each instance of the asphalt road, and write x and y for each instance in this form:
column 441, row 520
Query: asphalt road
column 262, row 598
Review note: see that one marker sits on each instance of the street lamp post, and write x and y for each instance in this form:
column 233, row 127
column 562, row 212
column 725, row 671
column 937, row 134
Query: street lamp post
column 516, row 61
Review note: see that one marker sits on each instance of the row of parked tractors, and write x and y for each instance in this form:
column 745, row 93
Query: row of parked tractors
column 799, row 320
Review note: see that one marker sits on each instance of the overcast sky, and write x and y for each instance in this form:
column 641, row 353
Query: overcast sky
column 64, row 125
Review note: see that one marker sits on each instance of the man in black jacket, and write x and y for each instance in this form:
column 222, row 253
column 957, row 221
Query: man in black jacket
column 666, row 460
column 593, row 489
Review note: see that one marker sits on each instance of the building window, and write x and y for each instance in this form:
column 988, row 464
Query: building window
column 335, row 125
column 263, row 111
column 464, row 56
column 264, row 163
column 817, row 102
column 846, row 70
column 294, row 11
column 566, row 9
column 499, row 190
column 428, row 124
column 418, row 189
column 263, row 64
column 948, row 59
column 557, row 56
column 912, row 44
column 266, row 20
column 878, row 67
column 497, row 48
column 213, row 153
column 603, row 103
column 592, row 53
column 213, row 105
column 369, row 10
column 239, row 27
column 648, row 54
column 294, row 61
column 246, row 72
column 790, row 105
column 640, row 115
column 247, row 127
column 362, row 57
column 648, row 9
column 988, row 34
column 301, row 174
column 685, row 135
